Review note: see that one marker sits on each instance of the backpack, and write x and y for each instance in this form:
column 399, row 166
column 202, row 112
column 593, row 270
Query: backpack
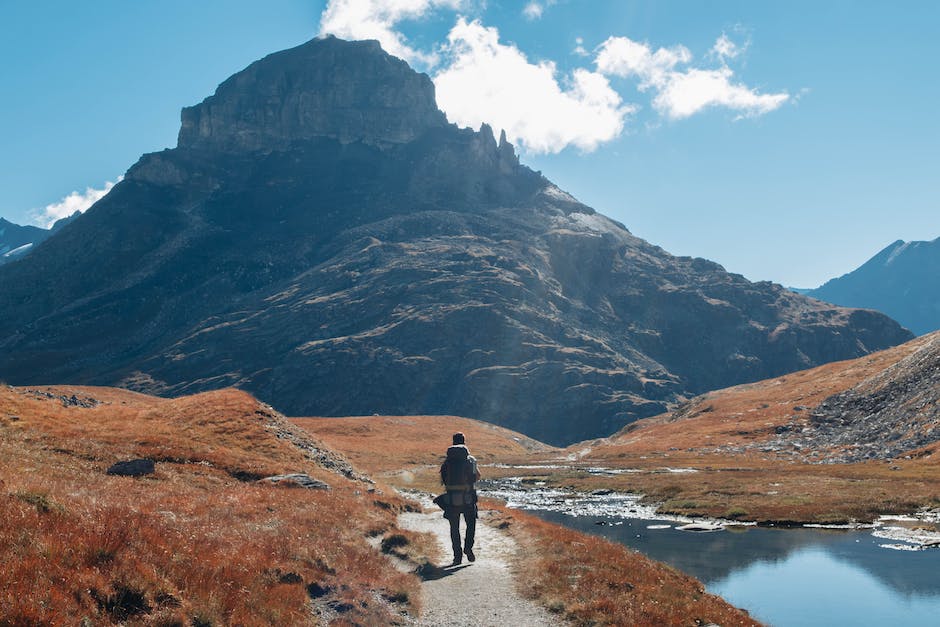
column 457, row 470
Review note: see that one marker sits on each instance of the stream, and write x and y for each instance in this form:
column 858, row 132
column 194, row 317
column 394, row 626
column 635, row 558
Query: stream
column 783, row 577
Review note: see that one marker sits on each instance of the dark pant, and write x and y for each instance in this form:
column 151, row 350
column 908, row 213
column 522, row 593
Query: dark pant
column 470, row 517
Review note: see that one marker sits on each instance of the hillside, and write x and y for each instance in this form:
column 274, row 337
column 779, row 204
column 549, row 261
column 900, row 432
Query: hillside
column 199, row 541
column 900, row 281
column 845, row 441
column 877, row 407
column 380, row 444
column 322, row 238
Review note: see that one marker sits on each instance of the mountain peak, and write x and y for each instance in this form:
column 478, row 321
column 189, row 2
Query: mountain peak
column 352, row 91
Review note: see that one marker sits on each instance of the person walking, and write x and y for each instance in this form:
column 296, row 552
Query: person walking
column 458, row 474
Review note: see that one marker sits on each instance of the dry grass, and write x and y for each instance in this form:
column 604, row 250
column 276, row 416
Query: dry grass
column 389, row 444
column 592, row 581
column 196, row 543
column 748, row 413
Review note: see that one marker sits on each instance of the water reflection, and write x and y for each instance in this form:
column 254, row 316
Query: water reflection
column 713, row 557
column 804, row 576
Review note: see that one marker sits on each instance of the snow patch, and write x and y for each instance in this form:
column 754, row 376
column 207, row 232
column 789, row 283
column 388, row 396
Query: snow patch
column 556, row 193
column 596, row 223
column 897, row 252
column 18, row 251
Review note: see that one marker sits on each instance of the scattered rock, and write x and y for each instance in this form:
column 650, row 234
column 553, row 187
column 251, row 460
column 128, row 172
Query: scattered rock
column 300, row 480
column 290, row 578
column 85, row 402
column 316, row 590
column 132, row 468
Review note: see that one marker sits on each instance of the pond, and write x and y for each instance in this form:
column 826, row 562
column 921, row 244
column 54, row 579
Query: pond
column 783, row 577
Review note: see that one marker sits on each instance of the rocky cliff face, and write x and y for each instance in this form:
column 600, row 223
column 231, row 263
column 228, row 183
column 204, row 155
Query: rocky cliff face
column 321, row 238
column 348, row 91
column 900, row 281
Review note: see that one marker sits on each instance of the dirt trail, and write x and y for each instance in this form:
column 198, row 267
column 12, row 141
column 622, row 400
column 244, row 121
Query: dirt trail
column 478, row 593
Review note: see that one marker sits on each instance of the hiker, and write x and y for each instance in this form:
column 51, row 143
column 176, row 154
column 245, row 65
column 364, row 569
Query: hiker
column 458, row 474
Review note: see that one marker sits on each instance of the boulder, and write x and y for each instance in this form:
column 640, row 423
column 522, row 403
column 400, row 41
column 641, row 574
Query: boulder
column 133, row 468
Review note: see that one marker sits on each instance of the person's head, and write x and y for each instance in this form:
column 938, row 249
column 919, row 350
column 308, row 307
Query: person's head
column 459, row 439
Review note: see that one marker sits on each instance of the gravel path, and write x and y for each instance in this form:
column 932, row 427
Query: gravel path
column 478, row 593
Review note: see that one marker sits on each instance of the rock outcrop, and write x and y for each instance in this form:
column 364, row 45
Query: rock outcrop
column 322, row 238
column 348, row 91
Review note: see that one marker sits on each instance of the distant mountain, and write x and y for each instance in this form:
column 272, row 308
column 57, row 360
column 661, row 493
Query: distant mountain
column 323, row 238
column 903, row 281
column 16, row 240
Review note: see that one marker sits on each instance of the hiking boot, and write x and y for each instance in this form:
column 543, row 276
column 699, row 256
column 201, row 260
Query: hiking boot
column 457, row 560
column 470, row 555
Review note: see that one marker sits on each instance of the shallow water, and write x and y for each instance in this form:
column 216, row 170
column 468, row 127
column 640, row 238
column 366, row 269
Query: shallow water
column 783, row 577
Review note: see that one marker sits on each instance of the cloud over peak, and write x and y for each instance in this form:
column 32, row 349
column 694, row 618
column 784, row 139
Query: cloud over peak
column 488, row 81
column 376, row 19
column 76, row 201
column 481, row 79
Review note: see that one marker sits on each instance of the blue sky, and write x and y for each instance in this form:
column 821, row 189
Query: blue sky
column 787, row 141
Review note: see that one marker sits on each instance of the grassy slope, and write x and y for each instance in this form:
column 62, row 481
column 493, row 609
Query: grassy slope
column 761, row 485
column 382, row 444
column 197, row 542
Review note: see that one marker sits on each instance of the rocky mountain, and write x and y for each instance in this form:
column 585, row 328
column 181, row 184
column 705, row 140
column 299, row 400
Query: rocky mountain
column 16, row 241
column 900, row 281
column 323, row 238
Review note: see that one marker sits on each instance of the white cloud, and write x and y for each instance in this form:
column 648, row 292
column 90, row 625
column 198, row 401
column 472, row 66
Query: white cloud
column 687, row 93
column 579, row 47
column 376, row 19
column 724, row 48
column 533, row 11
column 484, row 80
column 76, row 201
column 681, row 93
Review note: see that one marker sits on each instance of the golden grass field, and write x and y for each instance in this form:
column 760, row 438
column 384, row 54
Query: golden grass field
column 196, row 543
